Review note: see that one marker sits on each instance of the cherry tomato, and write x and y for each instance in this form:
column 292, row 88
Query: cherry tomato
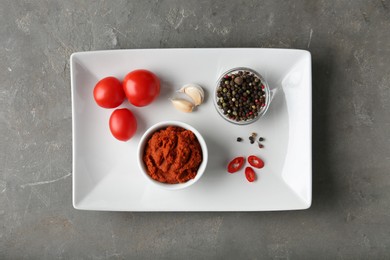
column 123, row 124
column 250, row 174
column 141, row 87
column 108, row 92
column 255, row 161
column 236, row 164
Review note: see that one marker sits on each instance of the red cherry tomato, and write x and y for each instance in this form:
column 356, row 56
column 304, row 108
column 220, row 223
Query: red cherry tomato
column 141, row 87
column 123, row 124
column 108, row 92
column 255, row 161
column 236, row 164
column 250, row 174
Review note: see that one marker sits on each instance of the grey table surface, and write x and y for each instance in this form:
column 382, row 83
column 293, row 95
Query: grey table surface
column 350, row 46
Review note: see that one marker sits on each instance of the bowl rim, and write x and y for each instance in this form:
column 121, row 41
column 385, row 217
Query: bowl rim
column 141, row 148
column 267, row 96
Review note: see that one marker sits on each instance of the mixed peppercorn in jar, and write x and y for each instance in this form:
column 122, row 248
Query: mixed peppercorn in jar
column 241, row 95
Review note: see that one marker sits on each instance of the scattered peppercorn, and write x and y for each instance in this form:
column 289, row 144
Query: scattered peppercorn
column 252, row 139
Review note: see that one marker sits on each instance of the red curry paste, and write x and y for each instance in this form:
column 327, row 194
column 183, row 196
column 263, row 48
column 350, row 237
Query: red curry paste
column 172, row 155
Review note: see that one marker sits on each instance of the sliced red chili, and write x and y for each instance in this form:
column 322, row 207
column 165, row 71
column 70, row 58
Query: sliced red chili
column 255, row 161
column 236, row 164
column 250, row 174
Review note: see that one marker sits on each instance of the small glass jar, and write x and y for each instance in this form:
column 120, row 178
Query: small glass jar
column 242, row 120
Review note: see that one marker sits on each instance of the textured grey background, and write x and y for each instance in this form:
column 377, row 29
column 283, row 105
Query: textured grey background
column 350, row 46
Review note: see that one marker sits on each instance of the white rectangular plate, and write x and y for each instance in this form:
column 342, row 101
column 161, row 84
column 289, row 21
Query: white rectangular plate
column 105, row 171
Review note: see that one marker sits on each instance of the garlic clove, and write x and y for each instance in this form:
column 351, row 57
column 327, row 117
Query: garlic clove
column 195, row 92
column 195, row 95
column 182, row 105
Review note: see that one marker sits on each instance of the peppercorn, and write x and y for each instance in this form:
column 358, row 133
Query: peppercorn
column 239, row 139
column 238, row 80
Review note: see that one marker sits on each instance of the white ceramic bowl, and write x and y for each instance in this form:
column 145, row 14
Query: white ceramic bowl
column 145, row 138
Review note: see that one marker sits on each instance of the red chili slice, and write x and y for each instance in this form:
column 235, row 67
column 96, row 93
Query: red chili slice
column 255, row 161
column 236, row 164
column 250, row 174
